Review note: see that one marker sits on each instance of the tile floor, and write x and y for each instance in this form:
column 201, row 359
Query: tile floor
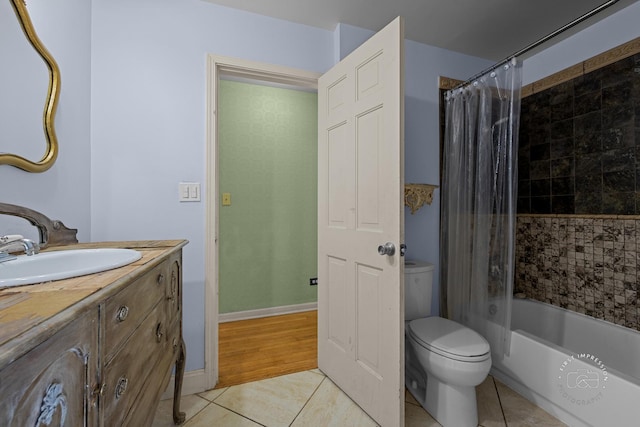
column 311, row 399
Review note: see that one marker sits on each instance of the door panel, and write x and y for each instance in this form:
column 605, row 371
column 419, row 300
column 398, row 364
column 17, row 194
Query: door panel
column 337, row 305
column 360, row 199
column 368, row 136
column 339, row 169
column 368, row 299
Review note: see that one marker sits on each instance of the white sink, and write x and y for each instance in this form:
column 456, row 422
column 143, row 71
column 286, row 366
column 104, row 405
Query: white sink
column 47, row 266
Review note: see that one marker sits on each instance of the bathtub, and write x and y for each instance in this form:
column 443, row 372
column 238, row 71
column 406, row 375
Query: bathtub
column 584, row 371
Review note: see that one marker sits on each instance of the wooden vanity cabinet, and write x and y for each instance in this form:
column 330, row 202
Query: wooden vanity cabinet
column 51, row 384
column 111, row 363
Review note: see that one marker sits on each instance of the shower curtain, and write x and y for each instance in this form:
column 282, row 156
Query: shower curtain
column 479, row 190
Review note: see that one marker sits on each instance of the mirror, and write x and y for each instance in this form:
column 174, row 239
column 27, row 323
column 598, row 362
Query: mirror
column 29, row 92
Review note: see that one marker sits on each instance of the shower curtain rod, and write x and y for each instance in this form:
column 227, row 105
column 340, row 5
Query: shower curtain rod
column 540, row 41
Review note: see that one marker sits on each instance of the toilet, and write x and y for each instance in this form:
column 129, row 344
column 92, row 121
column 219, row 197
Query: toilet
column 444, row 360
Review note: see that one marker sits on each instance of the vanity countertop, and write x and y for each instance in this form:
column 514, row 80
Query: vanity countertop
column 31, row 313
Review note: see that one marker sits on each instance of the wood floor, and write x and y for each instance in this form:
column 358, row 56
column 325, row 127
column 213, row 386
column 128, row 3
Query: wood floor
column 256, row 349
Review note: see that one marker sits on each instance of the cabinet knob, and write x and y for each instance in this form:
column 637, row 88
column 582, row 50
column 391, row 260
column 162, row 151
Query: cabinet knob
column 121, row 387
column 160, row 279
column 122, row 313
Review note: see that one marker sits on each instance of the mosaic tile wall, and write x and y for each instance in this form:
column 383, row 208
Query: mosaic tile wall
column 585, row 264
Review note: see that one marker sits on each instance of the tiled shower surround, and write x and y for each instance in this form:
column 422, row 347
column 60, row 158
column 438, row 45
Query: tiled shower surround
column 579, row 148
column 578, row 226
column 585, row 264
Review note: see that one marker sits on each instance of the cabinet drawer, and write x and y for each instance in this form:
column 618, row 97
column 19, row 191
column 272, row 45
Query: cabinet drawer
column 125, row 310
column 147, row 402
column 127, row 372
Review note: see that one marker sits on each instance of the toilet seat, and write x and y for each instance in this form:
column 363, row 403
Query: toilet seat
column 449, row 339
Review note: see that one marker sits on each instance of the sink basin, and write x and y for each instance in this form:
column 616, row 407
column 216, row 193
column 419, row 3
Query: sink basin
column 47, row 266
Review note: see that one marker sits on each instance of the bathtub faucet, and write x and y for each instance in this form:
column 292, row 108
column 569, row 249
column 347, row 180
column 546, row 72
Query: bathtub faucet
column 13, row 242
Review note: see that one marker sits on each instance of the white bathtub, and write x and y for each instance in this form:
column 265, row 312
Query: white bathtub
column 584, row 371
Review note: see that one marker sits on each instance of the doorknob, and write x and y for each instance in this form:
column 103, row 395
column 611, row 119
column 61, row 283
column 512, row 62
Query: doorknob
column 387, row 249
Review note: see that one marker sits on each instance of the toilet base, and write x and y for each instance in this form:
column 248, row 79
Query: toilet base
column 417, row 388
column 451, row 406
column 415, row 378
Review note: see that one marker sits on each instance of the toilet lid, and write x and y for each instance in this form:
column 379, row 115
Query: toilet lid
column 449, row 338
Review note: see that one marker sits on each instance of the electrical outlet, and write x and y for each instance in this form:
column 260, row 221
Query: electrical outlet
column 313, row 281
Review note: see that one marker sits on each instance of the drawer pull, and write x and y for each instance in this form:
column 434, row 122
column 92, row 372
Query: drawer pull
column 160, row 279
column 98, row 392
column 159, row 332
column 122, row 313
column 123, row 382
column 174, row 286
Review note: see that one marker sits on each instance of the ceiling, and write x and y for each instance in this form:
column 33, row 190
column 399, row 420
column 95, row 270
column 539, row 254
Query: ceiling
column 491, row 29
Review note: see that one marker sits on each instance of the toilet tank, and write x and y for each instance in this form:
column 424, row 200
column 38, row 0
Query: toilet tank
column 418, row 281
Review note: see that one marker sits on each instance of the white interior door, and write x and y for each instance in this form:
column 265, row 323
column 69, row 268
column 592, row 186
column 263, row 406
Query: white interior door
column 360, row 207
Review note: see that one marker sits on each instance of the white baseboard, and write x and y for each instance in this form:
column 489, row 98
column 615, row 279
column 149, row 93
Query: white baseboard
column 193, row 382
column 266, row 312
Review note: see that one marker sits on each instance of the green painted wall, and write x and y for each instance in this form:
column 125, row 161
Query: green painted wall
column 268, row 162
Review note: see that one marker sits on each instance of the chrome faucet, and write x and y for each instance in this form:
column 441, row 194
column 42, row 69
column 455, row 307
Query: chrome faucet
column 15, row 242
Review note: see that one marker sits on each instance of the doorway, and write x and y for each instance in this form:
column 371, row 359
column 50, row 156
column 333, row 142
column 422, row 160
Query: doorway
column 267, row 175
column 240, row 72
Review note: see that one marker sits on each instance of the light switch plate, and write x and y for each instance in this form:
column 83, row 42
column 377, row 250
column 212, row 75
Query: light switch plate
column 189, row 191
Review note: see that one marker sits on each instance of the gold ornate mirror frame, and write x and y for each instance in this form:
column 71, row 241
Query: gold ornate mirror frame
column 50, row 104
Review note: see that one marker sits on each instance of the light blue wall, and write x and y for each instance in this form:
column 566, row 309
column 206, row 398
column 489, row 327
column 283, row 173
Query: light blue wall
column 148, row 117
column 612, row 31
column 424, row 65
column 63, row 191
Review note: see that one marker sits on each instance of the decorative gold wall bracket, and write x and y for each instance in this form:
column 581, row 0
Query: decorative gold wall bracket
column 417, row 195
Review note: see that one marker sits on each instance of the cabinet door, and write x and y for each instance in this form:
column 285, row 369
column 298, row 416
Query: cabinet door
column 51, row 385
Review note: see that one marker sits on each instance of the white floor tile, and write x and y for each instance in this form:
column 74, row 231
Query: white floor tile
column 309, row 399
column 330, row 407
column 191, row 405
column 416, row 416
column 214, row 415
column 274, row 402
column 519, row 412
column 489, row 409
column 212, row 395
